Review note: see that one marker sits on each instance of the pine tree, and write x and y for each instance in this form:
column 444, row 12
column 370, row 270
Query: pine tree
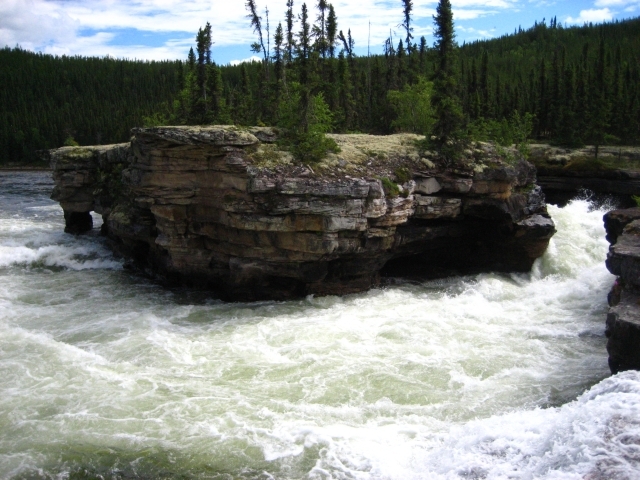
column 599, row 102
column 203, row 47
column 191, row 60
column 423, row 54
column 321, row 30
column 472, row 93
column 304, row 47
column 484, row 85
column 407, row 7
column 542, row 112
column 278, row 57
column 256, row 23
column 568, row 133
column 346, row 116
column 449, row 126
column 332, row 31
column 291, row 44
column 402, row 67
column 278, row 53
column 216, row 104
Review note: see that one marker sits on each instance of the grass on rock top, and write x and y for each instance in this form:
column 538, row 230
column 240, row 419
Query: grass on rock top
column 396, row 157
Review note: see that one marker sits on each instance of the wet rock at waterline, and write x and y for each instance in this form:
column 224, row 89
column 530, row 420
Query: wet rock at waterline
column 623, row 260
column 222, row 207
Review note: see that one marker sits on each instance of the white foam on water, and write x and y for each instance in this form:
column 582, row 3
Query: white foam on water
column 74, row 257
column 473, row 377
column 595, row 437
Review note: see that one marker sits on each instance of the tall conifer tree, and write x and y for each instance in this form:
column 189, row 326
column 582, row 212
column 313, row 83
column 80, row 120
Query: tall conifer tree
column 291, row 43
column 407, row 7
column 448, row 129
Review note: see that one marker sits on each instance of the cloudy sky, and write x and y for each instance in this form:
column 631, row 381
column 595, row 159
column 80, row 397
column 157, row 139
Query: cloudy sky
column 165, row 29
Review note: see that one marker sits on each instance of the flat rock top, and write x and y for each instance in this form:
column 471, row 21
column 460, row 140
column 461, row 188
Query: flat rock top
column 616, row 162
column 217, row 135
column 397, row 156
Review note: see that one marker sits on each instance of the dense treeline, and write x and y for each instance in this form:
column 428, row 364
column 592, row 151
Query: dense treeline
column 581, row 83
column 578, row 85
column 46, row 100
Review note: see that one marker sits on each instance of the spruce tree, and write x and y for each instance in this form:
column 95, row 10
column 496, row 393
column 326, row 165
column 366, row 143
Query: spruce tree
column 256, row 23
column 321, row 30
column 448, row 131
column 484, row 85
column 402, row 71
column 599, row 102
column 304, row 47
column 407, row 7
column 290, row 45
column 332, row 31
column 203, row 47
column 278, row 53
column 423, row 54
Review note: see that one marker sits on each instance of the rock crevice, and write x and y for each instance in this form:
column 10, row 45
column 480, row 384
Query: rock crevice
column 201, row 206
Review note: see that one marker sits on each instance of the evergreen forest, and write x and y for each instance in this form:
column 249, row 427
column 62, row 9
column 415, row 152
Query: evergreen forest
column 46, row 101
column 567, row 85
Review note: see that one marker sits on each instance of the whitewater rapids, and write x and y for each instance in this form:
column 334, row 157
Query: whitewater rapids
column 104, row 374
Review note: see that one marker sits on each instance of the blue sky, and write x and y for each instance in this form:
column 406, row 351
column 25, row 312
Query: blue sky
column 165, row 29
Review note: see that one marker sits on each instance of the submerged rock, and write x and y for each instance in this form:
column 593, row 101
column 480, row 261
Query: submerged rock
column 623, row 260
column 222, row 208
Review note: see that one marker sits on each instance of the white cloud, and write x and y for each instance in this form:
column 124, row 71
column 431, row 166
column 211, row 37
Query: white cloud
column 615, row 3
column 34, row 23
column 592, row 15
column 471, row 14
column 628, row 6
column 488, row 3
column 474, row 33
column 252, row 58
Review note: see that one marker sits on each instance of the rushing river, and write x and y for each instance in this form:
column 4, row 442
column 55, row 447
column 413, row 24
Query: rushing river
column 104, row 374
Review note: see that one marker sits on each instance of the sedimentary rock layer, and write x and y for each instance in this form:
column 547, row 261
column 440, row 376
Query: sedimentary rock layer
column 563, row 172
column 623, row 260
column 222, row 208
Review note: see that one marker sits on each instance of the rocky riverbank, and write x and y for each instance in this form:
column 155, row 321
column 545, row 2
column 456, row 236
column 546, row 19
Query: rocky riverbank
column 623, row 260
column 224, row 208
column 564, row 172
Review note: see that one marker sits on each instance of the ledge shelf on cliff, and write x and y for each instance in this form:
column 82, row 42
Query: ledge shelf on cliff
column 221, row 207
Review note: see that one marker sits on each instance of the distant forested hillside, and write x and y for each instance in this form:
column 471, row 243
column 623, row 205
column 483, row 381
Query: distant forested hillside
column 45, row 100
column 580, row 84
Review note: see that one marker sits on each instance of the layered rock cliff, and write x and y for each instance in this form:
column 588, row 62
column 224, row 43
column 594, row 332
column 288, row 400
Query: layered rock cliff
column 223, row 208
column 563, row 172
column 623, row 260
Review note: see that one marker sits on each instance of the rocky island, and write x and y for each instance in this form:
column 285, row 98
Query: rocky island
column 224, row 208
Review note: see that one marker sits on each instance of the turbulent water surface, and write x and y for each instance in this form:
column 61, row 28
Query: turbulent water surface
column 105, row 374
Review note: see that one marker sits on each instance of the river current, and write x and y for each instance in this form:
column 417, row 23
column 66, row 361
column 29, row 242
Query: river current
column 104, row 374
